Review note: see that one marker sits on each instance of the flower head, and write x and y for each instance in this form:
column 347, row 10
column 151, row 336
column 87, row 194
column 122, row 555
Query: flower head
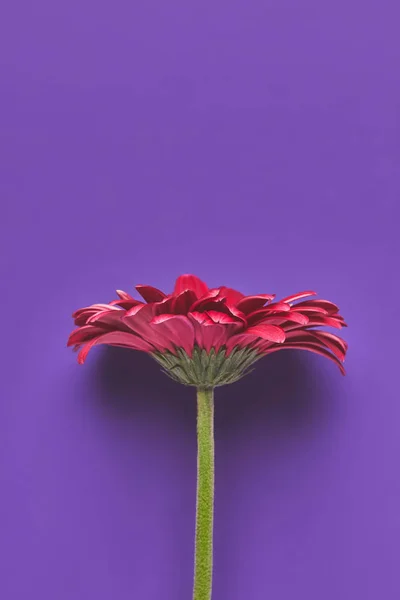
column 209, row 337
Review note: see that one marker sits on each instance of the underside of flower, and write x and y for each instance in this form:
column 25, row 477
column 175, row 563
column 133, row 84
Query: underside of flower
column 207, row 369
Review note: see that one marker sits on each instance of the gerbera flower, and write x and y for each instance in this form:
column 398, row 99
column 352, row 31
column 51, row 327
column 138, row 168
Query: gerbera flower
column 206, row 338
column 209, row 337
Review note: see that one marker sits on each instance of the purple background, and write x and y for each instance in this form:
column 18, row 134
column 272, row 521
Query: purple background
column 255, row 143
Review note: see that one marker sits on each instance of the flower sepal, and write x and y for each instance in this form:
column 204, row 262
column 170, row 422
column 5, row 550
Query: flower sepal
column 207, row 369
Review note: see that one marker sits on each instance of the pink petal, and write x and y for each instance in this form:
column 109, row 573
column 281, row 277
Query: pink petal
column 298, row 296
column 178, row 329
column 250, row 304
column 149, row 293
column 190, row 282
column 272, row 333
column 115, row 338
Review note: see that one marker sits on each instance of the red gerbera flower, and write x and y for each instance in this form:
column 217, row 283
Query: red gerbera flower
column 206, row 338
column 209, row 337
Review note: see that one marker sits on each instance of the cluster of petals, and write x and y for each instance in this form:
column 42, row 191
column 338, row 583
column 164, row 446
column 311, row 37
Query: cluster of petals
column 196, row 316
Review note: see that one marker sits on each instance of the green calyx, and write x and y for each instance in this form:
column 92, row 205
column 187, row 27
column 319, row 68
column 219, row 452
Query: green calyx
column 207, row 369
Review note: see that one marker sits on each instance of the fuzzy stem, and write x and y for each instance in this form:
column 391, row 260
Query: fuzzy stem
column 205, row 495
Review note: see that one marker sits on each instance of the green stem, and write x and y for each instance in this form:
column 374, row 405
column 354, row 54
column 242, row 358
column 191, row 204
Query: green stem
column 205, row 495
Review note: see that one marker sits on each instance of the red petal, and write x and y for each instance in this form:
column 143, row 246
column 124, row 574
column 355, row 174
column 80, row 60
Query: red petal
column 319, row 321
column 231, row 295
column 125, row 304
column 149, row 293
column 115, row 338
column 211, row 336
column 322, row 320
column 113, row 310
column 251, row 303
column 333, row 338
column 190, row 282
column 334, row 343
column 182, row 302
column 280, row 306
column 272, row 333
column 107, row 316
column 310, row 309
column 198, row 317
column 298, row 296
column 140, row 323
column 81, row 319
column 325, row 304
column 178, row 329
column 218, row 317
column 311, row 348
column 242, row 340
column 280, row 318
column 339, row 317
column 112, row 319
column 134, row 310
column 165, row 306
column 231, row 325
column 235, row 312
column 92, row 308
column 263, row 313
column 297, row 317
column 124, row 295
column 83, row 334
column 210, row 297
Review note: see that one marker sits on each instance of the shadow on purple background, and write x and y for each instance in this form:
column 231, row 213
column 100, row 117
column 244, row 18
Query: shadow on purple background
column 277, row 404
column 278, row 393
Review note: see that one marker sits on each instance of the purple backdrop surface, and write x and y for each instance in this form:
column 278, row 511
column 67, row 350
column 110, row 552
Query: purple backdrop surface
column 253, row 143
